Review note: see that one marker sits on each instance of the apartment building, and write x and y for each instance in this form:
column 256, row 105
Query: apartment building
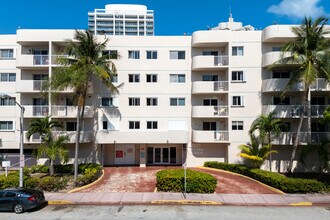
column 122, row 19
column 185, row 98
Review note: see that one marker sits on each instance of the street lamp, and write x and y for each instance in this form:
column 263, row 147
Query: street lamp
column 21, row 156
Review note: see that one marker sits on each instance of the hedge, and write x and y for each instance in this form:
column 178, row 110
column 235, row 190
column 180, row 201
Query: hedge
column 172, row 180
column 276, row 180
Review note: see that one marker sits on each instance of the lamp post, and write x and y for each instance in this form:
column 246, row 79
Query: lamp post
column 21, row 155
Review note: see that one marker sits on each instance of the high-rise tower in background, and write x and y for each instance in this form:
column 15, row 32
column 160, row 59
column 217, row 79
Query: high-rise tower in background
column 122, row 19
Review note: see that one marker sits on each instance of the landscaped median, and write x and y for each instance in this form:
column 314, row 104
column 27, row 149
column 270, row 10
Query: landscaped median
column 172, row 180
column 276, row 180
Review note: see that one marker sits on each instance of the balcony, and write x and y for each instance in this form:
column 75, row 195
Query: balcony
column 28, row 86
column 30, row 60
column 271, row 57
column 210, row 136
column 150, row 137
column 288, row 138
column 60, row 111
column 85, row 137
column 36, row 111
column 277, row 33
column 203, row 87
column 209, row 62
column 278, row 85
column 293, row 111
column 210, row 111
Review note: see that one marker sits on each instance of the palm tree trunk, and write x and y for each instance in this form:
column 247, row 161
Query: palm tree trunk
column 270, row 153
column 51, row 167
column 75, row 173
column 296, row 141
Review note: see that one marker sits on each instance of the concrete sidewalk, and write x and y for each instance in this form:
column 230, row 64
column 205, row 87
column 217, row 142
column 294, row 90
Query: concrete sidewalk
column 124, row 198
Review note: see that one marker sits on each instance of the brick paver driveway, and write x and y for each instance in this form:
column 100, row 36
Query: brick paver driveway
column 138, row 179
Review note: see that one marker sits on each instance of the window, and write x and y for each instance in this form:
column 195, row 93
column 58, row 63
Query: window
column 177, row 55
column 238, row 101
column 237, row 125
column 281, row 100
column 134, row 101
column 151, row 55
column 285, row 127
column 152, row 101
column 7, row 101
column 210, row 102
column 152, row 124
column 107, row 101
column 71, row 126
column 7, row 77
column 209, row 126
column 276, row 48
column 134, row 124
column 114, row 78
column 151, row 78
column 6, row 53
column 105, row 125
column 237, row 76
column 113, row 54
column 238, row 51
column 134, row 54
column 177, row 78
column 210, row 53
column 10, row 195
column 133, row 78
column 6, row 125
column 281, row 74
column 177, row 101
column 210, row 78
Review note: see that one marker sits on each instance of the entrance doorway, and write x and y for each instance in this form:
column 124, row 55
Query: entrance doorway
column 161, row 155
column 125, row 154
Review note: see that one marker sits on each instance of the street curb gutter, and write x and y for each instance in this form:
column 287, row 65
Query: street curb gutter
column 60, row 202
column 185, row 202
column 88, row 185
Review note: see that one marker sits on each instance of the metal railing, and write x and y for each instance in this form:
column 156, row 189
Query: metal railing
column 220, row 60
column 221, row 110
column 220, row 85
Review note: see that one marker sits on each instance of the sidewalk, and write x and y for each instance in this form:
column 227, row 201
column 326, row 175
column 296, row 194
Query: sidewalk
column 125, row 198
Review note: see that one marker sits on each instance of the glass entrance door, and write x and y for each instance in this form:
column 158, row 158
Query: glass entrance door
column 161, row 155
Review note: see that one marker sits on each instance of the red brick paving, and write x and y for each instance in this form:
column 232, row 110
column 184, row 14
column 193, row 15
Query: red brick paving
column 139, row 179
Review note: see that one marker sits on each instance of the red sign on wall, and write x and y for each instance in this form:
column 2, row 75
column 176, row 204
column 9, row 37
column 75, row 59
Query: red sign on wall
column 119, row 154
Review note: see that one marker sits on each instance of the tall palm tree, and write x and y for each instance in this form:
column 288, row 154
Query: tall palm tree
column 268, row 126
column 54, row 149
column 310, row 52
column 255, row 152
column 42, row 126
column 84, row 63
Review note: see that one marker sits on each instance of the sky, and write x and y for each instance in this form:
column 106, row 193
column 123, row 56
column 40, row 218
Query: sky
column 172, row 17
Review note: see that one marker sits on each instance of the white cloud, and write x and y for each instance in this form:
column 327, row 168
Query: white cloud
column 297, row 9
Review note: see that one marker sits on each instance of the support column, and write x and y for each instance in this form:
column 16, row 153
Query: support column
column 143, row 149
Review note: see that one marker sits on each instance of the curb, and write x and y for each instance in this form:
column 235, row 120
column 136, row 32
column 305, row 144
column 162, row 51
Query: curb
column 60, row 202
column 185, row 202
column 88, row 185
column 237, row 174
column 301, row 204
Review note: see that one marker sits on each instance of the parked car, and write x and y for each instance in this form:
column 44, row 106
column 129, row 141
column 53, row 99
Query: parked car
column 20, row 199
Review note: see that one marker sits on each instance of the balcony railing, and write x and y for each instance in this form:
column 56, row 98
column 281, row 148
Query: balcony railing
column 209, row 62
column 70, row 111
column 36, row 110
column 293, row 111
column 210, row 136
column 209, row 86
column 271, row 85
column 40, row 59
column 209, row 111
column 288, row 138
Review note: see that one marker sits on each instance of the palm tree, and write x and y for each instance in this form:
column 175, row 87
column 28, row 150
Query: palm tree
column 310, row 52
column 84, row 63
column 321, row 150
column 254, row 153
column 42, row 126
column 268, row 126
column 54, row 149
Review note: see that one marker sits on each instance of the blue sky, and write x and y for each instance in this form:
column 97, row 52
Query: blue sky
column 172, row 17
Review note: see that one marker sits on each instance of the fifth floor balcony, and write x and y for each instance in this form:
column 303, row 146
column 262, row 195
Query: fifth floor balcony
column 211, row 87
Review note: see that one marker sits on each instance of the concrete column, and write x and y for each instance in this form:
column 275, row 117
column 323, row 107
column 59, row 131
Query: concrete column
column 143, row 155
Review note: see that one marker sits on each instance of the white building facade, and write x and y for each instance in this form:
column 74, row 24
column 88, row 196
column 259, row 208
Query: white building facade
column 185, row 98
column 122, row 19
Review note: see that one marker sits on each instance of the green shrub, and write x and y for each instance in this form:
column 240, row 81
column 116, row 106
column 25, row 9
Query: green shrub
column 276, row 180
column 32, row 182
column 11, row 181
column 91, row 174
column 66, row 168
column 50, row 183
column 39, row 169
column 172, row 180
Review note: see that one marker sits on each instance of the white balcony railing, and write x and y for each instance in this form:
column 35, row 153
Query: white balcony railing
column 36, row 110
column 288, row 138
column 293, row 111
column 209, row 111
column 209, row 86
column 209, row 62
column 29, row 86
column 271, row 85
column 210, row 136
column 85, row 136
column 70, row 111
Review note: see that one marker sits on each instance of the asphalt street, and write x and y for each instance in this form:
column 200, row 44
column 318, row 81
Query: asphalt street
column 171, row 212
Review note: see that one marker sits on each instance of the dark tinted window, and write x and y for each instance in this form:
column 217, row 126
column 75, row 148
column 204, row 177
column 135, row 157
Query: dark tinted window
column 10, row 195
column 1, row 193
